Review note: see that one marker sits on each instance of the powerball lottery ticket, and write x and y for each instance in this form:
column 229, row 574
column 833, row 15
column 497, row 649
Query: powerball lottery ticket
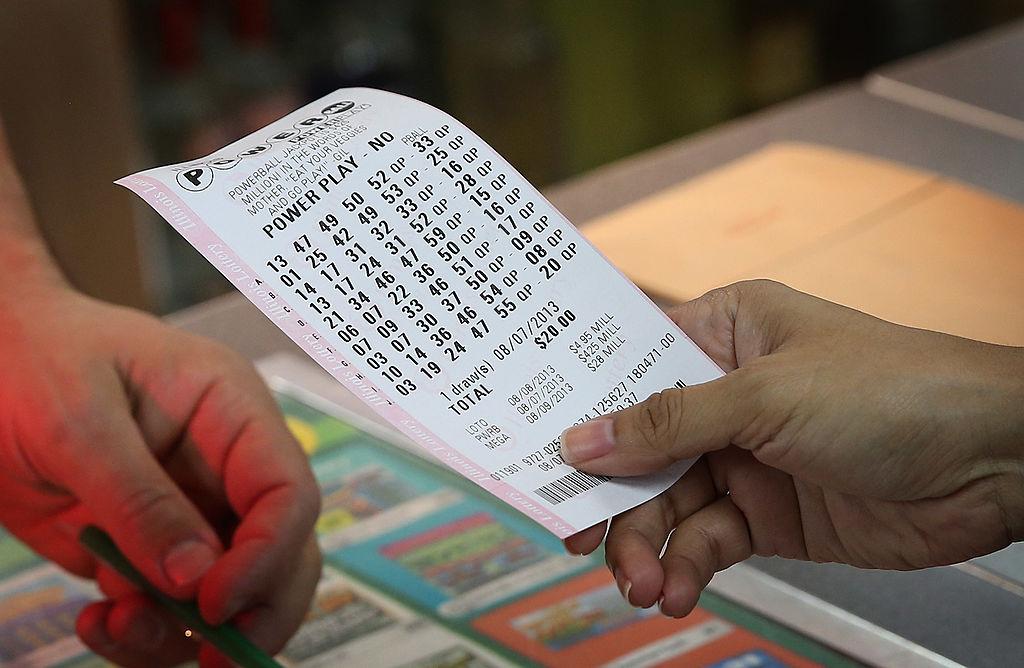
column 424, row 273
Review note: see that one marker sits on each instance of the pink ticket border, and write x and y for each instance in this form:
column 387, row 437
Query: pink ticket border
column 192, row 227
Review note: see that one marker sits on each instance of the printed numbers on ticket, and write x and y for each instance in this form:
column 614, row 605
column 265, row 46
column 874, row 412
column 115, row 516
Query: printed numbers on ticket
column 421, row 270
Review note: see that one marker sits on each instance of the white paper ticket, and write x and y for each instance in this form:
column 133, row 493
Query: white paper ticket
column 421, row 270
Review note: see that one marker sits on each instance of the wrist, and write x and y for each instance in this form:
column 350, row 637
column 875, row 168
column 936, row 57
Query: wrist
column 26, row 265
column 25, row 261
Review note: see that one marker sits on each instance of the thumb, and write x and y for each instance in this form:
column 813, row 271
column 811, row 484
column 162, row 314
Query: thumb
column 122, row 485
column 667, row 427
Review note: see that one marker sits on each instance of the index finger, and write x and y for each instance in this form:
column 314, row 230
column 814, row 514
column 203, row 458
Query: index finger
column 268, row 484
column 205, row 398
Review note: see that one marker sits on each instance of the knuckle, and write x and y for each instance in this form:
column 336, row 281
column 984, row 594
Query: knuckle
column 721, row 297
column 308, row 503
column 724, row 293
column 761, row 286
column 757, row 294
column 80, row 417
column 229, row 371
column 226, row 360
column 710, row 546
column 57, row 428
column 659, row 418
column 300, row 501
column 729, row 297
column 687, row 563
column 146, row 508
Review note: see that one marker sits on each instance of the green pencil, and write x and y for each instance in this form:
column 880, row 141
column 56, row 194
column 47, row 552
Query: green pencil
column 225, row 637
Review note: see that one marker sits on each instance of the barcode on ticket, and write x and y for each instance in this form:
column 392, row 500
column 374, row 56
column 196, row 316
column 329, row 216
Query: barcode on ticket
column 568, row 486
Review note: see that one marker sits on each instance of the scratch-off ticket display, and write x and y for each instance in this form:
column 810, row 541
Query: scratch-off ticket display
column 442, row 556
column 423, row 570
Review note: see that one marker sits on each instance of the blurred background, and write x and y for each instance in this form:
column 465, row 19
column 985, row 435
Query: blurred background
column 91, row 90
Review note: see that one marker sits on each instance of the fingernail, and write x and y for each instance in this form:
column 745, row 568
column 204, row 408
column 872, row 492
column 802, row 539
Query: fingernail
column 624, row 586
column 625, row 591
column 588, row 440
column 188, row 562
column 145, row 632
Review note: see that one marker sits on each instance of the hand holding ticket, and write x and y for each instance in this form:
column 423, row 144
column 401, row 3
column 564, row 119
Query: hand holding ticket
column 422, row 271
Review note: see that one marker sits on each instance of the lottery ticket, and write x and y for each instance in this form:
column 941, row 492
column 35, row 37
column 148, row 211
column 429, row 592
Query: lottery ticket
column 423, row 272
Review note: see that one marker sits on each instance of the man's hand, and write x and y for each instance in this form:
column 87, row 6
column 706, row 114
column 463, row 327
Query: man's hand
column 834, row 436
column 169, row 442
